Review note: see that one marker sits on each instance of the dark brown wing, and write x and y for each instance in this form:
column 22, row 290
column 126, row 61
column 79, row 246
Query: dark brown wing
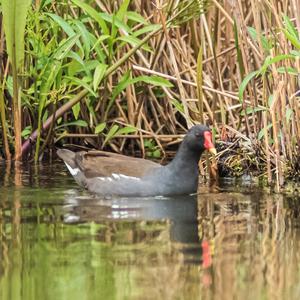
column 104, row 164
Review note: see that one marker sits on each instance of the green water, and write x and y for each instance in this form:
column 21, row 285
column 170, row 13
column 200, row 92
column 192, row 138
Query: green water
column 59, row 242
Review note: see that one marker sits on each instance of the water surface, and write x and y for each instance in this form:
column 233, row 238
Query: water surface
column 60, row 242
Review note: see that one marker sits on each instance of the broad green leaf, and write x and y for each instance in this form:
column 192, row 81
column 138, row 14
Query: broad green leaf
column 76, row 57
column 270, row 100
column 93, row 14
column 262, row 132
column 290, row 27
column 100, row 127
column 90, row 106
column 269, row 61
column 178, row 105
column 295, row 53
column 238, row 50
column 85, row 36
column 65, row 47
column 145, row 29
column 122, row 10
column 134, row 41
column 288, row 114
column 99, row 40
column 80, row 123
column 14, row 20
column 294, row 40
column 47, row 78
column 134, row 16
column 26, row 132
column 111, row 134
column 76, row 110
column 98, row 75
column 264, row 41
column 113, row 19
column 154, row 80
column 250, row 110
column 99, row 49
column 289, row 70
column 81, row 83
column 45, row 3
column 62, row 23
column 126, row 130
column 156, row 153
column 113, row 34
column 244, row 84
column 124, row 82
column 252, row 32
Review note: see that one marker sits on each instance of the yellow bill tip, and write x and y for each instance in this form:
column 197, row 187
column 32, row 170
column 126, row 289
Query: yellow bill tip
column 213, row 151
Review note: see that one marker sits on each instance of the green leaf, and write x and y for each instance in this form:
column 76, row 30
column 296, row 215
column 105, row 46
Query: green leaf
column 114, row 20
column 178, row 105
column 245, row 82
column 238, row 50
column 250, row 110
column 156, row 153
column 295, row 42
column 295, row 53
column 80, row 123
column 99, row 40
column 93, row 14
column 62, row 23
column 126, row 130
column 85, row 36
column 145, row 29
column 252, row 33
column 14, row 20
column 134, row 41
column 123, row 9
column 100, row 127
column 81, row 83
column 65, row 47
column 288, row 114
column 289, row 70
column 98, row 75
column 124, row 82
column 269, row 61
column 76, row 110
column 154, row 80
column 264, row 41
column 289, row 26
column 26, row 132
column 262, row 132
column 47, row 78
column 136, row 17
column 270, row 100
column 111, row 134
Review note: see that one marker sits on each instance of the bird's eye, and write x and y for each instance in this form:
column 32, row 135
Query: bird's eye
column 198, row 134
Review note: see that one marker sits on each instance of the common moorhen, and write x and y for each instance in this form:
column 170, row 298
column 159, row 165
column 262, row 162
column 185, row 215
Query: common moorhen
column 109, row 174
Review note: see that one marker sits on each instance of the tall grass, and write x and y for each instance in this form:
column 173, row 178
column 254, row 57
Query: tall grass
column 136, row 73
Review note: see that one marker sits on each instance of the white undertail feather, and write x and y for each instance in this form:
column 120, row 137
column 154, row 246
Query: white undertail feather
column 74, row 171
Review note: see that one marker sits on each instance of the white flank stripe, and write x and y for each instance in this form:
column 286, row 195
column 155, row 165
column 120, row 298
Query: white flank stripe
column 115, row 176
column 129, row 177
column 73, row 172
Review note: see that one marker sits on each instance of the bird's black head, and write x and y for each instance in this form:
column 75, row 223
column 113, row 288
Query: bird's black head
column 199, row 138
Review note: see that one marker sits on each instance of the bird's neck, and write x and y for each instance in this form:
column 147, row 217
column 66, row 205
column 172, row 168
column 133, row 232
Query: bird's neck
column 185, row 159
